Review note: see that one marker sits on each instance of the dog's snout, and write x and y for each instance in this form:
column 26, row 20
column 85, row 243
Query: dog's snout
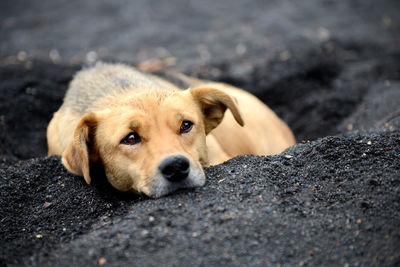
column 175, row 168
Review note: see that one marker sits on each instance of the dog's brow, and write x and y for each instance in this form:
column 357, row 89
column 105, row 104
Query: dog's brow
column 184, row 115
column 133, row 125
column 180, row 116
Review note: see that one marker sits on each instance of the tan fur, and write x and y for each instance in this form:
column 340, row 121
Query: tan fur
column 107, row 102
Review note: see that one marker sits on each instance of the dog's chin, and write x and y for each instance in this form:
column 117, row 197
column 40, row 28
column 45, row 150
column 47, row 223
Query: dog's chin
column 162, row 186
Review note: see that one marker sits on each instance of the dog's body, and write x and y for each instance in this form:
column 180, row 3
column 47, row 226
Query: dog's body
column 151, row 136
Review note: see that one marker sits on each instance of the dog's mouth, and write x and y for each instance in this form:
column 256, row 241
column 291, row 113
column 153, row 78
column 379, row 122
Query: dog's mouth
column 175, row 173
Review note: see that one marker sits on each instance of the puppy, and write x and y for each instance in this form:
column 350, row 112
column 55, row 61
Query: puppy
column 152, row 137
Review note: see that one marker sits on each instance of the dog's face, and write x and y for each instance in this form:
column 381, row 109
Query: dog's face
column 152, row 143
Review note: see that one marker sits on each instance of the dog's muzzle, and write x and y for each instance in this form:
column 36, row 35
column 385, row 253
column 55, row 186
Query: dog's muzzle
column 176, row 172
column 175, row 168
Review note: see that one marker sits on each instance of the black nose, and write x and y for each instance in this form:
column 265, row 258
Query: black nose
column 175, row 168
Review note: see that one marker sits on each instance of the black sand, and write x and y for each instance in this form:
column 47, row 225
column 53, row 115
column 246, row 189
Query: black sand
column 333, row 200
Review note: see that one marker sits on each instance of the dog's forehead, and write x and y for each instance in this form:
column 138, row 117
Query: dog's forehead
column 162, row 101
column 146, row 106
column 150, row 98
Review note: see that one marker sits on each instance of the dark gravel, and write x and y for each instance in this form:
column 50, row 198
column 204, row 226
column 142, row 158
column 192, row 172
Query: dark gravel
column 334, row 201
column 331, row 69
column 29, row 96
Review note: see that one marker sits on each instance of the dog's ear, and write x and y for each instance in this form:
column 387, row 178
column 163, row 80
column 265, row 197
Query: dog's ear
column 77, row 154
column 213, row 103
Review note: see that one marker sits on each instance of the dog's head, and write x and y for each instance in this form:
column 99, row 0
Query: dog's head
column 153, row 143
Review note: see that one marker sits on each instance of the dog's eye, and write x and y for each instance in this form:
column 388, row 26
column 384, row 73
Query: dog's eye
column 186, row 126
column 131, row 139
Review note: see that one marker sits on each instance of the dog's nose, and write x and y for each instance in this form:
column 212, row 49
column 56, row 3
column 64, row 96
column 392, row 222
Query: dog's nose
column 175, row 168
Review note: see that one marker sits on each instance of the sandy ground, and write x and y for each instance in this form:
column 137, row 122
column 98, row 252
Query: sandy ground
column 330, row 69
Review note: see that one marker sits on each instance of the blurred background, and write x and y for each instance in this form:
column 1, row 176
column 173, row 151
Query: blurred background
column 189, row 33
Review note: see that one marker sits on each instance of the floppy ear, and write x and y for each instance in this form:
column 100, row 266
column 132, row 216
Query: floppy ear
column 213, row 103
column 76, row 156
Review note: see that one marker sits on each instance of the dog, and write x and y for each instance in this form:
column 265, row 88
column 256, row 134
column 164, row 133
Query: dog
column 153, row 137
